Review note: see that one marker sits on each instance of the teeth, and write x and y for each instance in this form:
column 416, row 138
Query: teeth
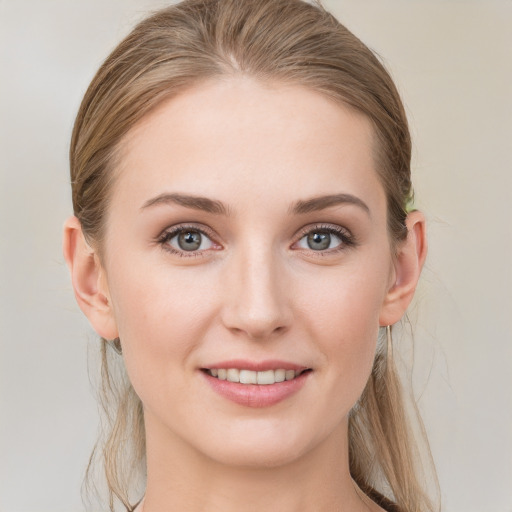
column 280, row 375
column 267, row 377
column 233, row 375
column 250, row 377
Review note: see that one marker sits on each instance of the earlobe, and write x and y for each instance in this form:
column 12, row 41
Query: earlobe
column 87, row 277
column 408, row 264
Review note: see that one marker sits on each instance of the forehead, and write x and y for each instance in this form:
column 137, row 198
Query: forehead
column 238, row 138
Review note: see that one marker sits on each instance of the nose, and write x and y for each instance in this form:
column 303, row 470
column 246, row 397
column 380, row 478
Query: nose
column 256, row 303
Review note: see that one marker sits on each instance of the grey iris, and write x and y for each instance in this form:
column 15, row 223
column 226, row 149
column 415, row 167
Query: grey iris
column 189, row 240
column 319, row 241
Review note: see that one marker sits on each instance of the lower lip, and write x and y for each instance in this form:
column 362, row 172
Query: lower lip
column 254, row 395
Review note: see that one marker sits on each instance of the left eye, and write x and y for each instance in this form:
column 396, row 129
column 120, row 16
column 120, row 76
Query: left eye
column 189, row 240
column 320, row 240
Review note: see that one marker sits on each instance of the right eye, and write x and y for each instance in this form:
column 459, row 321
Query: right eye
column 186, row 241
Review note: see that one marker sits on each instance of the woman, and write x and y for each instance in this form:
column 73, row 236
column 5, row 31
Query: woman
column 241, row 177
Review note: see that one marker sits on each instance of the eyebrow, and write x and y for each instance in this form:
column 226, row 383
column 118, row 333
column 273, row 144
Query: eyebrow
column 188, row 201
column 322, row 202
column 216, row 207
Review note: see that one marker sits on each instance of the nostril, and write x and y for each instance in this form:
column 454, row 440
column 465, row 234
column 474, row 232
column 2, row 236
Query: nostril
column 256, row 330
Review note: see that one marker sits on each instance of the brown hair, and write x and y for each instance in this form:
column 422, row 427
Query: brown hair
column 287, row 41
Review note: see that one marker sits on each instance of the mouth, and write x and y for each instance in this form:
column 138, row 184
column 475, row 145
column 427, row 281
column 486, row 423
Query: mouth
column 256, row 384
column 263, row 378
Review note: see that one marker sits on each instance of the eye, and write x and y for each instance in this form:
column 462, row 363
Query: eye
column 319, row 241
column 325, row 238
column 190, row 240
column 183, row 240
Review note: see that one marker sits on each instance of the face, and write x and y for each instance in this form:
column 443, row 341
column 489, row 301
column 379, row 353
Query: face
column 247, row 231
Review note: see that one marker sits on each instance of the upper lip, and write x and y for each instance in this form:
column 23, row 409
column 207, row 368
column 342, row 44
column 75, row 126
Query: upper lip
column 256, row 366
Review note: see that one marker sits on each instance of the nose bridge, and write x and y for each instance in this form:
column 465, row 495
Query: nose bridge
column 256, row 302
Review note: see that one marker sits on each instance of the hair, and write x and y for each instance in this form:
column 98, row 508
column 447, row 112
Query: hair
column 283, row 41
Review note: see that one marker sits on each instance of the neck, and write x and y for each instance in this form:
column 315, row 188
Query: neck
column 180, row 478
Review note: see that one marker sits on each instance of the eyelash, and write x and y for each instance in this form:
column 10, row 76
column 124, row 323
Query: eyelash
column 347, row 239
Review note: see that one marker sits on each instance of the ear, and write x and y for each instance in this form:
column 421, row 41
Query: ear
column 88, row 279
column 408, row 264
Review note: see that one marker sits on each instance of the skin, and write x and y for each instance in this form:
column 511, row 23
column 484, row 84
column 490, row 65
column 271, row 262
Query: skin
column 255, row 290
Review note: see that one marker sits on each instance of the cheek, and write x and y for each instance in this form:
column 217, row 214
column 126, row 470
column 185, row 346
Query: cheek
column 343, row 318
column 347, row 301
column 161, row 317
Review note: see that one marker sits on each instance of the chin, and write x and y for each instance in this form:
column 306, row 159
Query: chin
column 254, row 456
column 263, row 446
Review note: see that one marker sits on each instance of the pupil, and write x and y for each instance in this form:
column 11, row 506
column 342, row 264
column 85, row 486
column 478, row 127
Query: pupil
column 189, row 241
column 319, row 241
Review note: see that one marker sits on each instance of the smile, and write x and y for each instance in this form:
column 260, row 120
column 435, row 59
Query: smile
column 253, row 383
column 265, row 377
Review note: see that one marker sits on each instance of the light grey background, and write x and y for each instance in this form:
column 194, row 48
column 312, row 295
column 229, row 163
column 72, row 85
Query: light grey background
column 452, row 61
